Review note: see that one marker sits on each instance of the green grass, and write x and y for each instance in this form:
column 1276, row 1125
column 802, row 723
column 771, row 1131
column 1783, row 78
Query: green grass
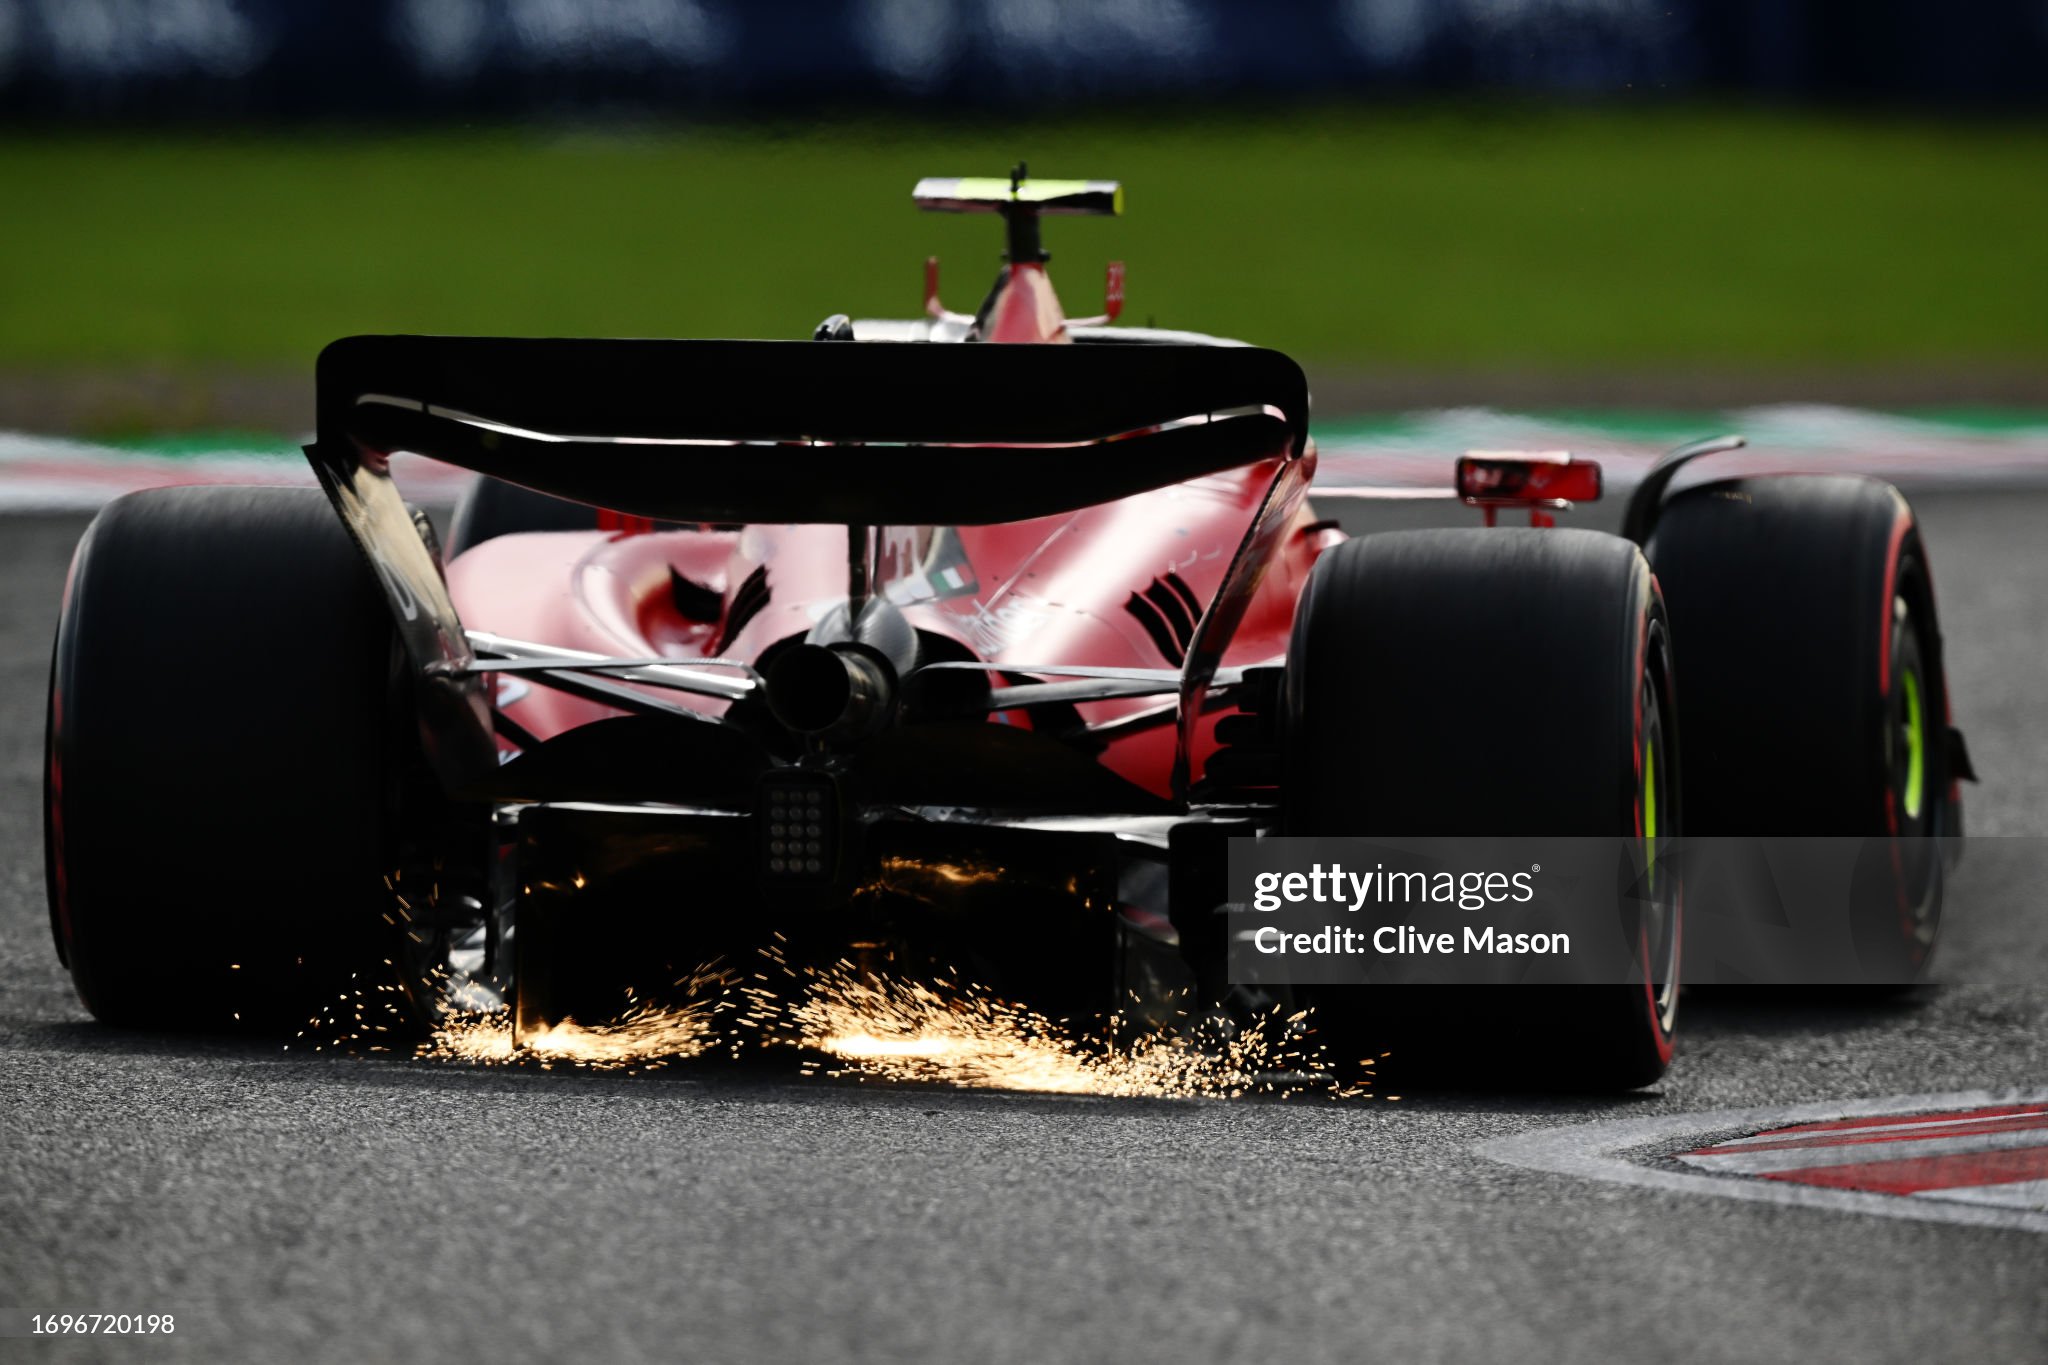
column 1567, row 240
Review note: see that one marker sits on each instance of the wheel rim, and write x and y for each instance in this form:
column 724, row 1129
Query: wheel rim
column 1653, row 810
column 1910, row 720
column 1913, row 814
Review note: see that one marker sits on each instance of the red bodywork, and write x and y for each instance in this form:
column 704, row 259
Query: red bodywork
column 1056, row 590
column 1121, row 584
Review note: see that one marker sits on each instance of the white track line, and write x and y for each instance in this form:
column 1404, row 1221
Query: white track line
column 1589, row 1150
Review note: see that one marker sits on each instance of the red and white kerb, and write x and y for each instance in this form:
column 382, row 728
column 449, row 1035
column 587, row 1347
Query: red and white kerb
column 1994, row 1155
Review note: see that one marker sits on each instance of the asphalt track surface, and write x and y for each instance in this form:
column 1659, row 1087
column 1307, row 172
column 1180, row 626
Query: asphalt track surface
column 285, row 1206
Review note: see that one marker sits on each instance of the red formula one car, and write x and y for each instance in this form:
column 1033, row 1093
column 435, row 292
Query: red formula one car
column 969, row 639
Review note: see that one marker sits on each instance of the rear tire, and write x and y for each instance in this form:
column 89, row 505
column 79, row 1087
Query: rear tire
column 1812, row 647
column 224, row 740
column 1490, row 682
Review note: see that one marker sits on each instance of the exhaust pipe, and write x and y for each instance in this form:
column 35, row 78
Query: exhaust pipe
column 838, row 692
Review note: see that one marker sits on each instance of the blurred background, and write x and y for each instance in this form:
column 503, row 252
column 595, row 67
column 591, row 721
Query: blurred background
column 1557, row 221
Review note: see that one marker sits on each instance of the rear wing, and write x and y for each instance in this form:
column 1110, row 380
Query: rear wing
column 854, row 433
column 764, row 431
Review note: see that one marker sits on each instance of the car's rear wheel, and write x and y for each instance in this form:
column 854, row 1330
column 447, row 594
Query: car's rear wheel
column 1812, row 647
column 1505, row 682
column 226, row 736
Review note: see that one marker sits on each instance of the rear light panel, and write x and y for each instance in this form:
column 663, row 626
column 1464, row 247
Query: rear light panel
column 798, row 817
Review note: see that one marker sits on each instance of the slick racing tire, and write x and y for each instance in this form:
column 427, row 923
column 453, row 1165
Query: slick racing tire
column 221, row 745
column 1491, row 682
column 1816, row 701
column 492, row 507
